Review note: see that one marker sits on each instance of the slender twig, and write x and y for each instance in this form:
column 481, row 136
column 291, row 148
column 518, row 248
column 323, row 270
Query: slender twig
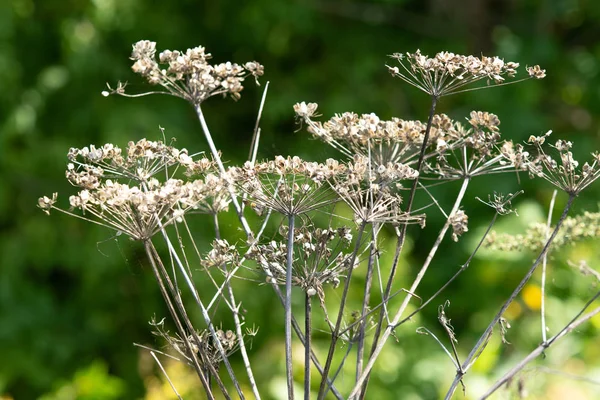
column 378, row 347
column 544, row 264
column 217, row 158
column 399, row 246
column 238, row 323
column 573, row 324
column 288, row 307
column 456, row 274
column 148, row 246
column 338, row 323
column 366, row 298
column 477, row 349
column 166, row 375
column 186, row 320
column 307, row 343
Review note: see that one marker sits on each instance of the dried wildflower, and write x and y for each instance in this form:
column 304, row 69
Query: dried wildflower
column 321, row 257
column 304, row 110
column 290, row 186
column 479, row 152
column 202, row 343
column 502, row 204
column 536, row 72
column 446, row 73
column 393, row 141
column 221, row 254
column 564, row 174
column 140, row 161
column 573, row 229
column 188, row 74
column 369, row 192
column 120, row 189
column 459, row 222
column 46, row 204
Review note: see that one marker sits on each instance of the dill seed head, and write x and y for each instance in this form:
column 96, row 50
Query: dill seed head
column 189, row 74
column 446, row 73
column 121, row 189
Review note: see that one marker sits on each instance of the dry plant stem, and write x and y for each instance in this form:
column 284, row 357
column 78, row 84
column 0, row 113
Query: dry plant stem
column 574, row 323
column 166, row 375
column 288, row 307
column 340, row 317
column 238, row 324
column 149, row 248
column 203, row 310
column 217, row 158
column 485, row 336
column 302, row 338
column 256, row 135
column 366, row 298
column 544, row 264
column 244, row 223
column 175, row 293
column 242, row 345
column 307, row 344
column 378, row 347
column 399, row 247
column 445, row 285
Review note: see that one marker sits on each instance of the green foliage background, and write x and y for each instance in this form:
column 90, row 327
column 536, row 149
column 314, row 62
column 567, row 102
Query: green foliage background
column 73, row 298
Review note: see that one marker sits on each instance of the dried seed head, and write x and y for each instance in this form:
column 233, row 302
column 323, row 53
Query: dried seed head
column 188, row 74
column 447, row 73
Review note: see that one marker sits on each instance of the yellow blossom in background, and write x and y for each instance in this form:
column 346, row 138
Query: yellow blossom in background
column 532, row 296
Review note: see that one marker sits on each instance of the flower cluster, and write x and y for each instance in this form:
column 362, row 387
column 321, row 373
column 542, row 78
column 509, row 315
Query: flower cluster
column 139, row 162
column 459, row 222
column 370, row 192
column 290, row 186
column 573, row 229
column 119, row 188
column 396, row 140
column 446, row 73
column 188, row 74
column 202, row 343
column 321, row 256
column 564, row 174
column 479, row 151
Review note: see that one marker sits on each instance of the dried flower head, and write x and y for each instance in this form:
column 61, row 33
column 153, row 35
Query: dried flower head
column 395, row 141
column 120, row 189
column 370, row 192
column 203, row 344
column 479, row 151
column 566, row 173
column 459, row 222
column 290, row 186
column 446, row 73
column 188, row 74
column 321, row 257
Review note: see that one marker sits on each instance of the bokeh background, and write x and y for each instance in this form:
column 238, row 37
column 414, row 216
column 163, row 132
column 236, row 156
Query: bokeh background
column 74, row 299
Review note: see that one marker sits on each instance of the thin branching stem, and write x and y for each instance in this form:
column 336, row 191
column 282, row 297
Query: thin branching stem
column 217, row 158
column 307, row 343
column 573, row 324
column 288, row 307
column 340, row 317
column 456, row 274
column 149, row 248
column 389, row 329
column 478, row 348
column 544, row 264
column 365, row 306
column 399, row 246
column 166, row 375
column 176, row 294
